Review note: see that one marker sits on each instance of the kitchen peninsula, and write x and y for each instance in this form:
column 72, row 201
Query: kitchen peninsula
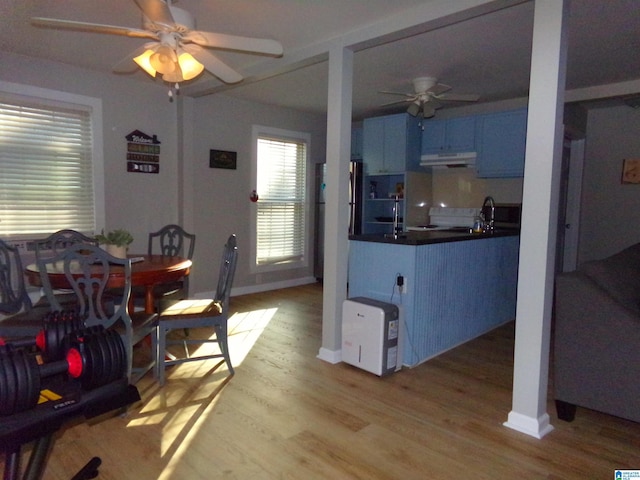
column 456, row 285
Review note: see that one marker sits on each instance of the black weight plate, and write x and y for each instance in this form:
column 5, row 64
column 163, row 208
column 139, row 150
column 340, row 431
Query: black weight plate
column 93, row 367
column 5, row 390
column 106, row 364
column 121, row 354
column 109, row 358
column 10, row 373
column 33, row 382
column 21, row 369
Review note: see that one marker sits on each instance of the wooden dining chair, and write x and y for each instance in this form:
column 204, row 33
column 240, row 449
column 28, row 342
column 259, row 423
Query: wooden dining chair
column 199, row 314
column 172, row 241
column 50, row 247
column 20, row 319
column 86, row 269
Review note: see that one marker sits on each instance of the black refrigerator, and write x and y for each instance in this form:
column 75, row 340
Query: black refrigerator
column 356, row 173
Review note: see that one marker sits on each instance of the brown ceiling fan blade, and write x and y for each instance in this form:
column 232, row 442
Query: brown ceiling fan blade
column 216, row 66
column 234, row 42
column 157, row 11
column 92, row 27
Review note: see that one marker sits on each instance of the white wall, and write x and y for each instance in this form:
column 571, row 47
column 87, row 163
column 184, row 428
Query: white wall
column 610, row 211
column 135, row 201
column 221, row 204
column 216, row 202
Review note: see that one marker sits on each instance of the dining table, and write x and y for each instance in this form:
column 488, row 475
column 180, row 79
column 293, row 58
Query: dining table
column 146, row 271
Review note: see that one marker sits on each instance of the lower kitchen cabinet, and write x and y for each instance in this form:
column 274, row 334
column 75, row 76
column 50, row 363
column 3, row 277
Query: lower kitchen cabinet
column 501, row 144
column 453, row 291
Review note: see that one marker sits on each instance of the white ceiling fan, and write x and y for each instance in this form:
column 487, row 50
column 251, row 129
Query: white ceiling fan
column 177, row 50
column 428, row 95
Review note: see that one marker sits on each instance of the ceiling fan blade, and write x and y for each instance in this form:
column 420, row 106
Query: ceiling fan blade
column 216, row 66
column 92, row 27
column 396, row 102
column 127, row 65
column 458, row 97
column 439, row 89
column 234, row 42
column 157, row 11
column 408, row 95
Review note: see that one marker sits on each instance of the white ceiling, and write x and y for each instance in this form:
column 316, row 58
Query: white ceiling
column 488, row 55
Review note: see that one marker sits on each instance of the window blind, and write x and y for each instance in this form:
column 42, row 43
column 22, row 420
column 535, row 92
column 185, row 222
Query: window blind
column 46, row 168
column 281, row 213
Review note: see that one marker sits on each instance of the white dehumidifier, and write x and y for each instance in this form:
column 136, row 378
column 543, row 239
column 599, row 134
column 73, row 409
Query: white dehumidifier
column 371, row 335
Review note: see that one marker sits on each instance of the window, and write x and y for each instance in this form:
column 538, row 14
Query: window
column 281, row 211
column 50, row 178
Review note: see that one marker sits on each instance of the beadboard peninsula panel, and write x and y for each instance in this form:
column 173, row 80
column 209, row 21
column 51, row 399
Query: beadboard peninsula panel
column 454, row 291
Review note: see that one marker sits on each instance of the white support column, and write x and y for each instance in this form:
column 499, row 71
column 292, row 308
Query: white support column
column 336, row 241
column 539, row 225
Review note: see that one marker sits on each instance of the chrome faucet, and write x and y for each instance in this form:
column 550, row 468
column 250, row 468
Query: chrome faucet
column 489, row 223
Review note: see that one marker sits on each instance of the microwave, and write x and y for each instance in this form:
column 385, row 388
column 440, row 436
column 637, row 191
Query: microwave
column 507, row 215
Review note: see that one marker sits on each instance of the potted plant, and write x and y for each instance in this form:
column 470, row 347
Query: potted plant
column 116, row 242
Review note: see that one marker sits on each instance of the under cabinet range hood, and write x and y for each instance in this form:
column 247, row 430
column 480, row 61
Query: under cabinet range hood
column 451, row 160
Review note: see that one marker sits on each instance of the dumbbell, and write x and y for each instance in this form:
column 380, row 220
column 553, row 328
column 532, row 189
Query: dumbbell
column 51, row 339
column 95, row 357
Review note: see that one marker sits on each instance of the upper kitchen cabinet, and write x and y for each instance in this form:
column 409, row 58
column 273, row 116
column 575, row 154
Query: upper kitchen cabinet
column 356, row 144
column 391, row 144
column 501, row 144
column 453, row 135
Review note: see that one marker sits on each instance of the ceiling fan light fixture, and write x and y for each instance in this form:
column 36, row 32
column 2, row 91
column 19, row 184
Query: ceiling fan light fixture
column 414, row 109
column 428, row 111
column 144, row 63
column 189, row 66
column 164, row 59
column 173, row 77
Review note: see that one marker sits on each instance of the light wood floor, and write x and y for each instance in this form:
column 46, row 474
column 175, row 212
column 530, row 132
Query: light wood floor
column 287, row 415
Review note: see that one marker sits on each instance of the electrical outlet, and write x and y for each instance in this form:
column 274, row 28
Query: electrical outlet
column 401, row 282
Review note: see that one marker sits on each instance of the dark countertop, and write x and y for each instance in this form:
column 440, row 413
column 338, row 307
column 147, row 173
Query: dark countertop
column 433, row 236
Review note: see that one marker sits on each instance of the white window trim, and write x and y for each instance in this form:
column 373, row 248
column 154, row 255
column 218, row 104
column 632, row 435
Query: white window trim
column 257, row 131
column 95, row 106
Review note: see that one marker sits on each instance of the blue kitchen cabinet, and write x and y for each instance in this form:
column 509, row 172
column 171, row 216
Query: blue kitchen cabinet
column 501, row 144
column 454, row 291
column 391, row 144
column 452, row 135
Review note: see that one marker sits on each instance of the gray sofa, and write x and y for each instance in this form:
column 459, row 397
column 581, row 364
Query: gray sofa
column 597, row 337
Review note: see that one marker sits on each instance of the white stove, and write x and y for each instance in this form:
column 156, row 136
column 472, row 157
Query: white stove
column 447, row 218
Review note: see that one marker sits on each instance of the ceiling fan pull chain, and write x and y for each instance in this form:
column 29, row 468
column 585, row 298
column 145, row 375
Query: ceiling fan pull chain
column 173, row 90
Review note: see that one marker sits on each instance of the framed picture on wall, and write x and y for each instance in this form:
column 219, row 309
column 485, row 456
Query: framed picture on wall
column 631, row 171
column 222, row 159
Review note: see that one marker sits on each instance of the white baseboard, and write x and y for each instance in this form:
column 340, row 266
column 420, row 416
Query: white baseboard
column 534, row 427
column 264, row 287
column 331, row 356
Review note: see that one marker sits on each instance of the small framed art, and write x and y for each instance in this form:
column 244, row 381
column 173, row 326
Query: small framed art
column 222, row 159
column 631, row 171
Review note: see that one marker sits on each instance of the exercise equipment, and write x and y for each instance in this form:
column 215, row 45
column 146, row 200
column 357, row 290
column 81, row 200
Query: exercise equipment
column 67, row 371
column 95, row 357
